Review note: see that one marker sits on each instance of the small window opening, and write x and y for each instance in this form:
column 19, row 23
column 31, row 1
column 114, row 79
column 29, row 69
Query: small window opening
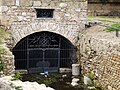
column 44, row 13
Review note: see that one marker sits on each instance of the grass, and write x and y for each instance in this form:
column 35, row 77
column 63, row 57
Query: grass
column 102, row 18
column 112, row 23
column 92, row 17
column 113, row 27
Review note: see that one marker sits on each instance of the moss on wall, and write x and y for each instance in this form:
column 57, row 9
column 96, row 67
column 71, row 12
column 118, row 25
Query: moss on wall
column 3, row 36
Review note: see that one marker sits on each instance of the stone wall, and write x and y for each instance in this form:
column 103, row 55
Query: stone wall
column 99, row 1
column 19, row 16
column 108, row 9
column 8, row 61
column 102, row 56
column 6, row 56
column 68, row 19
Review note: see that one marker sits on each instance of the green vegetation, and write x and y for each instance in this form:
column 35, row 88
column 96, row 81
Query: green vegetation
column 18, row 88
column 1, row 66
column 55, row 80
column 2, row 51
column 102, row 18
column 17, row 76
column 15, row 87
column 52, row 78
column 113, row 27
column 92, row 17
column 3, row 35
column 95, row 84
column 92, row 76
column 62, row 81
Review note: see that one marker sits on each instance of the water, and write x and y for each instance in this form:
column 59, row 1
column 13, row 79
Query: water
column 55, row 80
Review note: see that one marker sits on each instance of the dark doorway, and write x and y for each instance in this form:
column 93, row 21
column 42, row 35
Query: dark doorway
column 44, row 51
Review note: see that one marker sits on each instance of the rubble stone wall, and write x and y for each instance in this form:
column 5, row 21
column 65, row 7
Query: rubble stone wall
column 68, row 19
column 19, row 16
column 101, row 56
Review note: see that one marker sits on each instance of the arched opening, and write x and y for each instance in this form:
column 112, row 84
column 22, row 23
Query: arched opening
column 43, row 51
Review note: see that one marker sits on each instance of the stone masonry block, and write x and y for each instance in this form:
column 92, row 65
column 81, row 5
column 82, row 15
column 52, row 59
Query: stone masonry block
column 37, row 3
column 25, row 3
column 8, row 2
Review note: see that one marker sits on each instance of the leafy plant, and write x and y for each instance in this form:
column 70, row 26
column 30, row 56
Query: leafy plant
column 1, row 67
column 17, row 76
column 113, row 27
column 49, row 81
column 95, row 85
column 18, row 88
column 2, row 51
column 92, row 76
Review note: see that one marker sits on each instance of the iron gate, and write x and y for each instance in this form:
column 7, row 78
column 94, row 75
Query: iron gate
column 44, row 51
column 43, row 60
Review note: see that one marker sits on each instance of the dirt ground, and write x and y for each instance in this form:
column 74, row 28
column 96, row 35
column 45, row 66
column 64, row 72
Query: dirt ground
column 98, row 29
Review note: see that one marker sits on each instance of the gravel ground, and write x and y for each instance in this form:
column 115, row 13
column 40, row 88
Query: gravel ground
column 98, row 32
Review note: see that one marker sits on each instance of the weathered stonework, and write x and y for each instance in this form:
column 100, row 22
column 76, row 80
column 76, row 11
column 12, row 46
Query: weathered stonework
column 97, row 8
column 98, row 55
column 68, row 19
column 8, row 61
column 19, row 16
column 101, row 54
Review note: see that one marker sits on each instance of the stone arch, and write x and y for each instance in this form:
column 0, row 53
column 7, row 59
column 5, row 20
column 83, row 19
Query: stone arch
column 72, row 38
column 43, row 47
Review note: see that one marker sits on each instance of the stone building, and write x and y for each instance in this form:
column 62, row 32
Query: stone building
column 47, row 35
column 44, row 32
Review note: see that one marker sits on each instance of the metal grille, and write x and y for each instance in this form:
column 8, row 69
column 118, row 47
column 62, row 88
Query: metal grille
column 44, row 13
column 44, row 51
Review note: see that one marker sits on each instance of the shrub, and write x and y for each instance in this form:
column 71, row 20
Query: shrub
column 95, row 84
column 92, row 76
column 17, row 76
column 1, row 67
